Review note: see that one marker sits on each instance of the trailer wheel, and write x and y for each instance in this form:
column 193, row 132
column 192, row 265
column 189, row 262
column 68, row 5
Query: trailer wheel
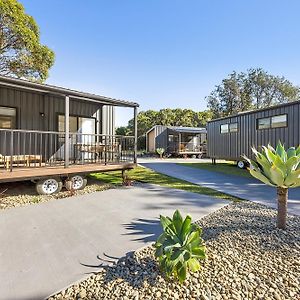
column 241, row 164
column 76, row 182
column 49, row 186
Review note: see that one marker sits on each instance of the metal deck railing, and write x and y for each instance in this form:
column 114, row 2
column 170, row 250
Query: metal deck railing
column 32, row 148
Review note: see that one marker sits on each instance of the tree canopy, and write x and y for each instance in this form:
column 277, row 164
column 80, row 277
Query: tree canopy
column 21, row 53
column 253, row 89
column 167, row 117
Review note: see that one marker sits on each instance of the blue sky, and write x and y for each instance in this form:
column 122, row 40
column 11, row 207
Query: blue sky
column 165, row 53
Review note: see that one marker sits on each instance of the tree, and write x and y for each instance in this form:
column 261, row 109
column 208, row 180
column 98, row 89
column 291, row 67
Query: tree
column 122, row 130
column 169, row 117
column 21, row 53
column 253, row 89
column 278, row 168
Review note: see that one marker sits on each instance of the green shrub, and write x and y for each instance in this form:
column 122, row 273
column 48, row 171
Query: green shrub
column 180, row 247
column 160, row 151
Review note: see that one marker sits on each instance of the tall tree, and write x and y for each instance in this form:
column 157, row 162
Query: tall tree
column 169, row 117
column 21, row 53
column 253, row 89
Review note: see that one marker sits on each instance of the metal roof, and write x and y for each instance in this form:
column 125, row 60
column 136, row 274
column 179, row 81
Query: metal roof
column 187, row 129
column 60, row 91
column 253, row 111
column 181, row 129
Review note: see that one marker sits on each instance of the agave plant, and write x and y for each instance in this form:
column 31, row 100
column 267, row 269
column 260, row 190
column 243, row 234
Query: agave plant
column 180, row 247
column 160, row 151
column 278, row 168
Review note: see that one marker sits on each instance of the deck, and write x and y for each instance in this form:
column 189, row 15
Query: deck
column 20, row 174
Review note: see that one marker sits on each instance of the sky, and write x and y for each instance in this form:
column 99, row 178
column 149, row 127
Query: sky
column 165, row 53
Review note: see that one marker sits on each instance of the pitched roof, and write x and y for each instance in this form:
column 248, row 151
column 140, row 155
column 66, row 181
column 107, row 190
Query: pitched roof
column 61, row 91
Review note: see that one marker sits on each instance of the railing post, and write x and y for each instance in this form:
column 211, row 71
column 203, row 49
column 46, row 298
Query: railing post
column 67, row 131
column 105, row 150
column 11, row 149
column 135, row 135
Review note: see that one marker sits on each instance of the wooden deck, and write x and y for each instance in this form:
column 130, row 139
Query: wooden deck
column 20, row 174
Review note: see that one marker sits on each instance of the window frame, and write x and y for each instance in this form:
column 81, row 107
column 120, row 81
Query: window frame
column 226, row 132
column 237, row 127
column 286, row 121
column 271, row 123
column 77, row 119
column 15, row 116
column 61, row 137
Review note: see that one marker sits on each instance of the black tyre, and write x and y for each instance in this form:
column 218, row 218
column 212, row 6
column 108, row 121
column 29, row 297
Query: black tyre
column 76, row 182
column 241, row 164
column 49, row 186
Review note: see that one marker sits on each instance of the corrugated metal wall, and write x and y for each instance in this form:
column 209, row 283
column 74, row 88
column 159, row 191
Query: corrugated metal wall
column 36, row 111
column 233, row 145
column 161, row 137
column 30, row 107
column 108, row 120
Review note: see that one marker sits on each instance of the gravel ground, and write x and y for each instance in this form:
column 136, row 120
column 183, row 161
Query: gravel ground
column 17, row 194
column 248, row 258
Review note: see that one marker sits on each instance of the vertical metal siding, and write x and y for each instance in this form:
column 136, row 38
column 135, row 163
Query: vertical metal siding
column 30, row 105
column 233, row 145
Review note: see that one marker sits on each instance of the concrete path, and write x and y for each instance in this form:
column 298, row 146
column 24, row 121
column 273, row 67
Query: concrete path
column 47, row 246
column 243, row 187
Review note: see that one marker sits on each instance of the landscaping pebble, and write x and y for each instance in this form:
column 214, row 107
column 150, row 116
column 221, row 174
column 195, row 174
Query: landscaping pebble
column 18, row 194
column 248, row 258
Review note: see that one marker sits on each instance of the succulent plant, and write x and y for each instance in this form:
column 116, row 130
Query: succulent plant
column 279, row 168
column 160, row 151
column 180, row 247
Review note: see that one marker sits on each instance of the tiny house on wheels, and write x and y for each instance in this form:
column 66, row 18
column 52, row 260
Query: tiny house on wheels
column 51, row 135
column 231, row 137
column 177, row 140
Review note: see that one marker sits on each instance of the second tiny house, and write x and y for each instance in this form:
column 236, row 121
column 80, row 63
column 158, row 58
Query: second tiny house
column 231, row 137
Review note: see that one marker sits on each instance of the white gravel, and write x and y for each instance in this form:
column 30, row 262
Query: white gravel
column 248, row 258
column 18, row 194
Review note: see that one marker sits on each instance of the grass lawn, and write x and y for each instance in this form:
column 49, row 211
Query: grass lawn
column 229, row 168
column 146, row 175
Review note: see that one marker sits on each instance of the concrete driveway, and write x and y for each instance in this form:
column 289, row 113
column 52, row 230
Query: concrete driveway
column 45, row 247
column 243, row 187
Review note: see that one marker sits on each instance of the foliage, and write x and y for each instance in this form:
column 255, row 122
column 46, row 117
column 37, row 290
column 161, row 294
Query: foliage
column 228, row 167
column 249, row 90
column 279, row 168
column 160, row 151
column 21, row 53
column 146, row 175
column 122, row 130
column 169, row 117
column 180, row 247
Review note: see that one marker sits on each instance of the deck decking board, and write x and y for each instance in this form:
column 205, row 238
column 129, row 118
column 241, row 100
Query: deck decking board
column 19, row 174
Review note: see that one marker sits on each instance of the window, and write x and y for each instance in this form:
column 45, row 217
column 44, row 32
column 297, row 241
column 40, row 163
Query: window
column 264, row 123
column 224, row 128
column 272, row 122
column 233, row 127
column 72, row 123
column 7, row 117
column 171, row 138
column 279, row 121
column 86, row 126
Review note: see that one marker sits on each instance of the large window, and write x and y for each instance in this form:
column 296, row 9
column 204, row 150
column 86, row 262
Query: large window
column 264, row 123
column 229, row 127
column 7, row 117
column 279, row 121
column 272, row 122
column 77, row 124
column 86, row 126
